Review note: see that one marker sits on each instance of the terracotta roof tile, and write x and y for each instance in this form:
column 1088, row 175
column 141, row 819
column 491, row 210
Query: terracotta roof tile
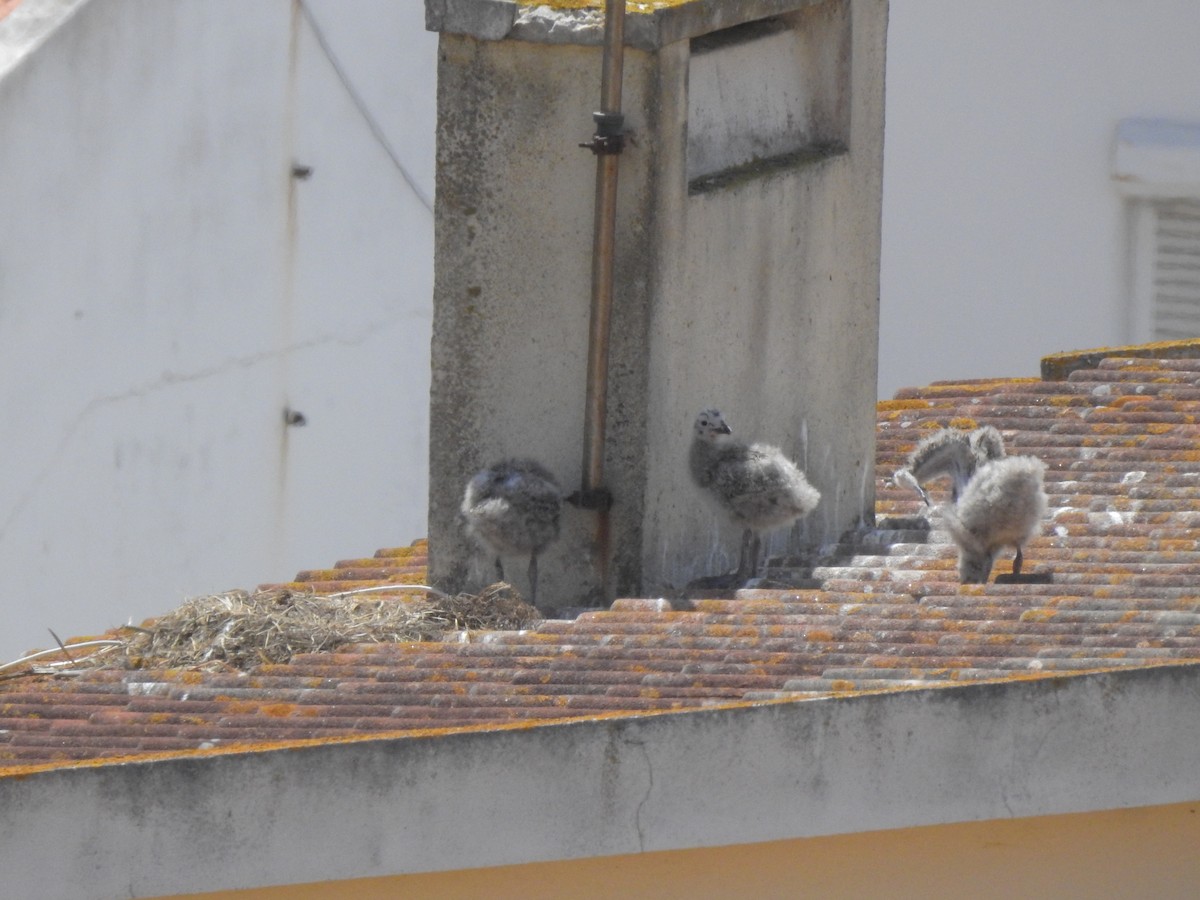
column 885, row 612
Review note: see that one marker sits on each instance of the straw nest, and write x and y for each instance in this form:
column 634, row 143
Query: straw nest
column 238, row 629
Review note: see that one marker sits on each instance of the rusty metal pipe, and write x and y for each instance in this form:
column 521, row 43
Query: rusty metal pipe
column 613, row 72
column 595, row 413
column 607, row 145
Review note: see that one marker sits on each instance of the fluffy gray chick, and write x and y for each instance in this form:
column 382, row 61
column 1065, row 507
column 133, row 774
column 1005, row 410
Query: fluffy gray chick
column 1002, row 506
column 755, row 484
column 513, row 508
column 950, row 452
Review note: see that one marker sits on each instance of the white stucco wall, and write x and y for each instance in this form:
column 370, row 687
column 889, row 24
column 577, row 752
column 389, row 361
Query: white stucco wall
column 1003, row 234
column 164, row 295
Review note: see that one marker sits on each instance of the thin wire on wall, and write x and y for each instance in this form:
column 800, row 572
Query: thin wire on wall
column 363, row 109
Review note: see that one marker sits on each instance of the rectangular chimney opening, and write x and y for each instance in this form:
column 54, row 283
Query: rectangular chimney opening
column 769, row 94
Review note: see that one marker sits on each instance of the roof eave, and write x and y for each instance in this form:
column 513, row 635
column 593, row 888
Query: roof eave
column 607, row 786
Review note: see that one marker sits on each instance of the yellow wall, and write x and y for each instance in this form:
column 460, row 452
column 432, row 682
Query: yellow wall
column 1135, row 853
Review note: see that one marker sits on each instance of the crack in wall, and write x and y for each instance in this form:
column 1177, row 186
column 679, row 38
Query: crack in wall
column 1022, row 763
column 637, row 814
column 169, row 380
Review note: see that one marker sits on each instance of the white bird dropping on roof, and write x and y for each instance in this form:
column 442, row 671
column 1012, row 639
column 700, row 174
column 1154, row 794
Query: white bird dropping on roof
column 1002, row 506
column 513, row 509
column 953, row 453
column 755, row 484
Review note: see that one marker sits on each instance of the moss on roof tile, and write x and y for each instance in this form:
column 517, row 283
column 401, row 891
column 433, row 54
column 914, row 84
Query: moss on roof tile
column 1059, row 366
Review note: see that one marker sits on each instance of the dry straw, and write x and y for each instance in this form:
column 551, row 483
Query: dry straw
column 238, row 629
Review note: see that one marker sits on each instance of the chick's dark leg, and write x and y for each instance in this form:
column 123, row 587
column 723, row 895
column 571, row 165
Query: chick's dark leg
column 499, row 569
column 1017, row 561
column 748, row 560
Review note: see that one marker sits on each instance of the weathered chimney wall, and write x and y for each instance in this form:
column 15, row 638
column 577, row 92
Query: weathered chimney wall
column 747, row 267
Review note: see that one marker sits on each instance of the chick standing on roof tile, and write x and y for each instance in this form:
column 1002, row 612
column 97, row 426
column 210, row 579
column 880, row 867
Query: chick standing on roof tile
column 1002, row 506
column 513, row 508
column 998, row 501
column 755, row 484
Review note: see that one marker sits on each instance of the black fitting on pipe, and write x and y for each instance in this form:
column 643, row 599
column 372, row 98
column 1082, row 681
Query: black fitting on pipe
column 609, row 138
column 600, row 498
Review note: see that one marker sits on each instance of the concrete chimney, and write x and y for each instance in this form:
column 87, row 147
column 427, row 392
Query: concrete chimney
column 747, row 268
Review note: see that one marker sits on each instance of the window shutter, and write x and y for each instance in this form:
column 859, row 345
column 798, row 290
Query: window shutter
column 1176, row 269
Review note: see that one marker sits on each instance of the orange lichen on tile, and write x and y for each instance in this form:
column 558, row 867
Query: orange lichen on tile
column 1060, row 366
column 887, row 406
column 278, row 710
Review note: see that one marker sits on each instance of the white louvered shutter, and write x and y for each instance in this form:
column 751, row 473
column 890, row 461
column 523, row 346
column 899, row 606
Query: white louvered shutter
column 1176, row 270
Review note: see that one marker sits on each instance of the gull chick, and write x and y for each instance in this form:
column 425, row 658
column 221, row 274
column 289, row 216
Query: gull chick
column 755, row 484
column 1002, row 505
column 513, row 509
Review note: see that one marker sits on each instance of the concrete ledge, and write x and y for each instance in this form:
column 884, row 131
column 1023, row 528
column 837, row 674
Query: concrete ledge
column 1059, row 366
column 763, row 168
column 487, row 20
column 648, row 26
column 606, row 786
